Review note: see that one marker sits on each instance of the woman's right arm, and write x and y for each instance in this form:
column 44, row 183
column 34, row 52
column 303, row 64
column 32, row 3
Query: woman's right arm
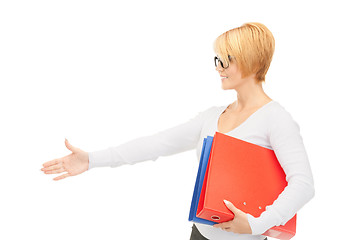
column 167, row 142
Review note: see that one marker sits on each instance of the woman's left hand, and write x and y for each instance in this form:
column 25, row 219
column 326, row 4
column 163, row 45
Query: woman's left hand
column 239, row 224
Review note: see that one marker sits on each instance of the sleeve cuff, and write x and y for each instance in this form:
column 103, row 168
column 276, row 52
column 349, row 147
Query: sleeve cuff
column 101, row 158
column 261, row 224
column 256, row 228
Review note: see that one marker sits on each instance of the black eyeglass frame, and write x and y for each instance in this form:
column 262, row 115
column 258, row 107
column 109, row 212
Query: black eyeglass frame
column 216, row 60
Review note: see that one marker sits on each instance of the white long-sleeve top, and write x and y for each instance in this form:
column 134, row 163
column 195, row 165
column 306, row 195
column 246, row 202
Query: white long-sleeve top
column 271, row 126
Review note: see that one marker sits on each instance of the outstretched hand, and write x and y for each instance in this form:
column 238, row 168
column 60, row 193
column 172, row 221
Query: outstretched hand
column 239, row 224
column 75, row 163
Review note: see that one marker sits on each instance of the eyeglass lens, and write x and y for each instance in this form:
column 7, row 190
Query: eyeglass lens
column 217, row 60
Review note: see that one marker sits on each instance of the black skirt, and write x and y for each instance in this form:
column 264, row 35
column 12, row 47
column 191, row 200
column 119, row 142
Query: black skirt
column 196, row 235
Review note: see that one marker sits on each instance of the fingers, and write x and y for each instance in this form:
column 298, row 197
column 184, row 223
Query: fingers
column 70, row 147
column 219, row 225
column 224, row 225
column 53, row 167
column 62, row 176
column 228, row 229
column 57, row 167
column 51, row 163
column 60, row 170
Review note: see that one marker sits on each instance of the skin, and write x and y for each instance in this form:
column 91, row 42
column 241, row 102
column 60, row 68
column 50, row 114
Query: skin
column 75, row 163
column 250, row 97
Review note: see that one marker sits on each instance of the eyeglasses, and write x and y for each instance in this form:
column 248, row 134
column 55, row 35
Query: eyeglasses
column 217, row 60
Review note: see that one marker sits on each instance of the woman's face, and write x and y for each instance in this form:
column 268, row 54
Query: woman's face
column 231, row 76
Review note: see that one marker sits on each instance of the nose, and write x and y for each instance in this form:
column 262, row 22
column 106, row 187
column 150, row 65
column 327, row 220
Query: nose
column 219, row 68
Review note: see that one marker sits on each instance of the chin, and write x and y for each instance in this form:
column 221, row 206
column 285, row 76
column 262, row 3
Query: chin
column 224, row 87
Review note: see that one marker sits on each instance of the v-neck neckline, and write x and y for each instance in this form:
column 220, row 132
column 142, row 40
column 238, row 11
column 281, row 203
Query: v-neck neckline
column 237, row 127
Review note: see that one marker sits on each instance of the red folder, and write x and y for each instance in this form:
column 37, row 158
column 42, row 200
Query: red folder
column 247, row 175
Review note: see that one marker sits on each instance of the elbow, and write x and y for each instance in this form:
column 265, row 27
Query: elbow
column 312, row 191
column 309, row 187
column 304, row 187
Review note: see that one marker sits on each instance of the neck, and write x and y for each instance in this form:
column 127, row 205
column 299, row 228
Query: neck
column 250, row 95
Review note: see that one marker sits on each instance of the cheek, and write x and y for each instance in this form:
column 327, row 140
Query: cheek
column 234, row 71
column 233, row 81
column 235, row 76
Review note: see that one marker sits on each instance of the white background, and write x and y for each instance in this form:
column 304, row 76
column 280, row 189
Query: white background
column 101, row 73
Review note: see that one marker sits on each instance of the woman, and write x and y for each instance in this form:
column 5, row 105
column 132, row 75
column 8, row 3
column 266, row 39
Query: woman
column 243, row 58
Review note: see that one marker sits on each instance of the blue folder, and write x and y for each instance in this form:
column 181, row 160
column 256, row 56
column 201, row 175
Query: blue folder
column 204, row 158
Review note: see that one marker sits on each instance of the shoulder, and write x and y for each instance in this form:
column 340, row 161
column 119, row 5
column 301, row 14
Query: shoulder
column 208, row 112
column 280, row 118
column 214, row 109
column 277, row 110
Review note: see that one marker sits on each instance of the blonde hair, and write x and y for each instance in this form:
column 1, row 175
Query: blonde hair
column 252, row 45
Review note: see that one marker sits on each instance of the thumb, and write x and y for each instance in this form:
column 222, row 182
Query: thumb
column 69, row 146
column 231, row 206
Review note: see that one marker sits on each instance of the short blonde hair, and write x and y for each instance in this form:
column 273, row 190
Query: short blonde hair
column 252, row 45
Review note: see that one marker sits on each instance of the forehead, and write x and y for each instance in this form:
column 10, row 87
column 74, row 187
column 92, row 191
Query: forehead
column 229, row 57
